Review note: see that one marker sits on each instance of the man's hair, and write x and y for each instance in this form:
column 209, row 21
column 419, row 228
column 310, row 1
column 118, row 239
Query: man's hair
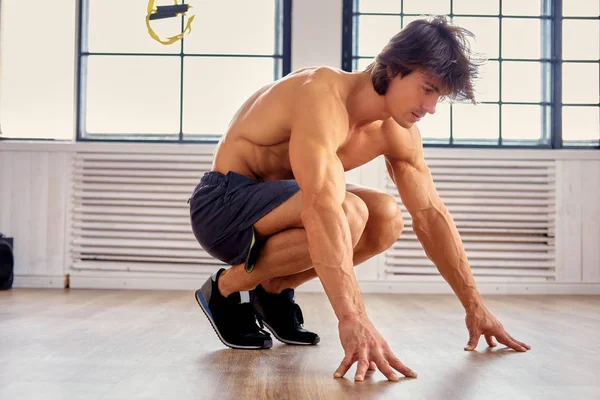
column 434, row 45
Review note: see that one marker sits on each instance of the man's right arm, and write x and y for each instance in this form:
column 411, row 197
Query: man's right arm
column 320, row 127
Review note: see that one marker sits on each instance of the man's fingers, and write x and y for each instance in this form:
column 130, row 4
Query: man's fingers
column 398, row 366
column 490, row 340
column 386, row 369
column 507, row 341
column 344, row 367
column 372, row 366
column 361, row 369
column 526, row 346
column 473, row 340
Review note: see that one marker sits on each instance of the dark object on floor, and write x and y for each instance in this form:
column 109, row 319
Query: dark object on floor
column 7, row 262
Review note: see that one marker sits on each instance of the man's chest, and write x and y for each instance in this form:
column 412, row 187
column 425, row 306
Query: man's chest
column 361, row 147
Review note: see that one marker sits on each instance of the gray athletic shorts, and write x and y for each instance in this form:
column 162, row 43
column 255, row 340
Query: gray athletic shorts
column 224, row 208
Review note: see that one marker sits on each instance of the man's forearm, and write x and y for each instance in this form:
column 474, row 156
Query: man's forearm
column 330, row 247
column 439, row 236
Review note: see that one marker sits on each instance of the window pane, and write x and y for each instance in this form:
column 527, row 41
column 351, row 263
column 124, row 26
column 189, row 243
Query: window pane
column 116, row 26
column 475, row 122
column 233, row 27
column 574, row 46
column 581, row 123
column 486, row 33
column 521, row 81
column 379, row 6
column 363, row 63
column 128, row 95
column 520, row 7
column 408, row 20
column 436, row 126
column 521, row 38
column 580, row 83
column 375, row 33
column 487, row 85
column 212, row 94
column 581, row 8
column 521, row 122
column 427, row 7
column 36, row 71
column 476, row 7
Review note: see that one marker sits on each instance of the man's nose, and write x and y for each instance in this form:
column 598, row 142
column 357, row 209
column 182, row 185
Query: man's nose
column 430, row 107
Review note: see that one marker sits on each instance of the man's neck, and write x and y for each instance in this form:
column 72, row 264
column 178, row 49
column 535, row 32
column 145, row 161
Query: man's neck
column 363, row 103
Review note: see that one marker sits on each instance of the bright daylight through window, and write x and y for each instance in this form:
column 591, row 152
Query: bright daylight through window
column 133, row 87
column 539, row 86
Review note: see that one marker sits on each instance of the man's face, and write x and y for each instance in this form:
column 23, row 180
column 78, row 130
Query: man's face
column 409, row 98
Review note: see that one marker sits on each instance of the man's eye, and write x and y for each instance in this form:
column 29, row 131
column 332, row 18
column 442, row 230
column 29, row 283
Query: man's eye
column 427, row 90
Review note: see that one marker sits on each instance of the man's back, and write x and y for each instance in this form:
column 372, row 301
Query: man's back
column 256, row 143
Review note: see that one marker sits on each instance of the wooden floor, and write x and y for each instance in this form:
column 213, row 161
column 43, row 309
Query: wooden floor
column 85, row 344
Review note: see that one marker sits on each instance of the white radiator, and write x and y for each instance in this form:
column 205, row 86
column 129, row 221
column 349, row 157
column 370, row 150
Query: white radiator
column 130, row 217
column 505, row 212
column 71, row 207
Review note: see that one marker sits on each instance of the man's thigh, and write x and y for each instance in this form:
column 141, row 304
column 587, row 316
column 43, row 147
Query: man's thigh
column 288, row 214
column 283, row 217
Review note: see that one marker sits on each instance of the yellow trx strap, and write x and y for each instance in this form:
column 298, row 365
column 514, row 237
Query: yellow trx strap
column 167, row 12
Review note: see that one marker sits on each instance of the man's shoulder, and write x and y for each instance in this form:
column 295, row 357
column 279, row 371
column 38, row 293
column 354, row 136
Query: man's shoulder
column 324, row 79
column 320, row 87
column 321, row 73
column 305, row 88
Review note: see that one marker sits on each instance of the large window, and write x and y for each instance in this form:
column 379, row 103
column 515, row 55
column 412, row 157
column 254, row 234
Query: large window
column 37, row 70
column 580, row 73
column 539, row 86
column 133, row 88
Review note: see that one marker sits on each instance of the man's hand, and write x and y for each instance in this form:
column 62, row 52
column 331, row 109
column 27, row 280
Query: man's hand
column 363, row 344
column 480, row 321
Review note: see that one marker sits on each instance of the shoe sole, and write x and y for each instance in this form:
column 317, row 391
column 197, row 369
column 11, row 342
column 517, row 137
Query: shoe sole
column 282, row 340
column 204, row 306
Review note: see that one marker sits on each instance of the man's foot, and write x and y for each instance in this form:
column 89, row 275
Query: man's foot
column 232, row 317
column 283, row 317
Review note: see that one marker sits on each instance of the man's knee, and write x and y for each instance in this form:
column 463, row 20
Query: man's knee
column 386, row 223
column 357, row 213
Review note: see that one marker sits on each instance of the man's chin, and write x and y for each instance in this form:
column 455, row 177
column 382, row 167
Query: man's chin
column 405, row 124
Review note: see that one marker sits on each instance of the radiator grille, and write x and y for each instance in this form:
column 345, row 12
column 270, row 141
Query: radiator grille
column 130, row 213
column 504, row 211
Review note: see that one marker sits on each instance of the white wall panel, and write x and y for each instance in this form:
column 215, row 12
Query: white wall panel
column 569, row 213
column 590, row 212
column 20, row 211
column 316, row 33
column 34, row 187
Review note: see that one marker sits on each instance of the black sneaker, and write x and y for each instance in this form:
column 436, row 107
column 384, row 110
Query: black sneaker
column 232, row 317
column 283, row 317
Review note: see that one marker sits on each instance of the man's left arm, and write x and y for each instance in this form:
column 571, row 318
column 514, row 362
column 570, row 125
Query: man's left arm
column 435, row 228
column 439, row 236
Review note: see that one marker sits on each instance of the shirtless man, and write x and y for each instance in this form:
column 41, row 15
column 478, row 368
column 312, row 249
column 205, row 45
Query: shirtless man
column 276, row 208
